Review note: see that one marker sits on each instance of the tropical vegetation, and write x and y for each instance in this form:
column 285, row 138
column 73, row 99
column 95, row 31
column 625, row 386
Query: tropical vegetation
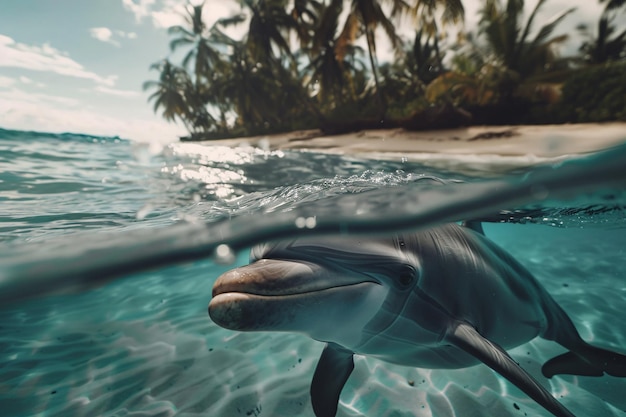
column 304, row 64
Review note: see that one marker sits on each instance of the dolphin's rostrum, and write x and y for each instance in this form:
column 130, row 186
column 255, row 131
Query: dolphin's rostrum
column 446, row 297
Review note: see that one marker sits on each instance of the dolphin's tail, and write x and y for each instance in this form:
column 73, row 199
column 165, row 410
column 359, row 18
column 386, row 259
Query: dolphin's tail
column 586, row 360
column 582, row 358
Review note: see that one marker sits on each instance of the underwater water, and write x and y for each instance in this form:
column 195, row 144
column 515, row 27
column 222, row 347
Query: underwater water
column 143, row 344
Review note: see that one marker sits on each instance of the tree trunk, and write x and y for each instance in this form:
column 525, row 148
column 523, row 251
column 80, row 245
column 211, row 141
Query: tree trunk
column 382, row 107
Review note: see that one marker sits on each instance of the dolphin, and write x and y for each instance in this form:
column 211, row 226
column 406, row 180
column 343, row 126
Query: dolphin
column 446, row 297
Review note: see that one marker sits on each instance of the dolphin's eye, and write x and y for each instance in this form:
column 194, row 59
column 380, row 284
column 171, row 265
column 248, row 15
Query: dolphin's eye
column 406, row 276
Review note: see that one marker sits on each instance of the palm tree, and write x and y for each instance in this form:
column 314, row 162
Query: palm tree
column 365, row 16
column 202, row 54
column 508, row 62
column 170, row 92
column 426, row 14
column 262, row 79
column 424, row 58
column 508, row 40
column 604, row 47
column 255, row 92
column 306, row 14
column 205, row 58
column 452, row 11
column 330, row 60
column 269, row 24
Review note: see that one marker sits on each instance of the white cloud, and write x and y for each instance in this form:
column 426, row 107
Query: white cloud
column 22, row 97
column 26, row 80
column 116, row 92
column 26, row 111
column 165, row 19
column 6, row 82
column 172, row 12
column 45, row 58
column 106, row 35
column 127, row 35
column 140, row 8
column 103, row 35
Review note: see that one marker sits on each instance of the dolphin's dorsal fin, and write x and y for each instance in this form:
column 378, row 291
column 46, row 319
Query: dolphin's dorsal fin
column 467, row 338
column 332, row 372
column 475, row 225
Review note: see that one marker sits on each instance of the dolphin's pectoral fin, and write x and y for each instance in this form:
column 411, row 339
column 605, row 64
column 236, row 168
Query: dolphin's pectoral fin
column 332, row 372
column 465, row 337
column 587, row 361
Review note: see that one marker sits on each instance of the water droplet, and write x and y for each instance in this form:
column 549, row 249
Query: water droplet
column 224, row 255
column 310, row 223
column 300, row 222
column 143, row 212
column 264, row 144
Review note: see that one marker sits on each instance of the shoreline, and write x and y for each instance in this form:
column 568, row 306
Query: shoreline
column 476, row 150
column 527, row 141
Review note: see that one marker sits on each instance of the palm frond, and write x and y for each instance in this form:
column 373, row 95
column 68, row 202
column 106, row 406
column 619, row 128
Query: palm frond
column 613, row 5
column 177, row 43
column 530, row 21
column 179, row 30
column 548, row 28
column 231, row 21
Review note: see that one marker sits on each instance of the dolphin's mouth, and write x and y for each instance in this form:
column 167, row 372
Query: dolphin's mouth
column 282, row 294
column 280, row 278
column 292, row 312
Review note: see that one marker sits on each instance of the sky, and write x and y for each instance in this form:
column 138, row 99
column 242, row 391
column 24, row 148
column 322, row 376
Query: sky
column 79, row 65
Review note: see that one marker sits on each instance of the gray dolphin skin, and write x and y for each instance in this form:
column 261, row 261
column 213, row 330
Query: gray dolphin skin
column 446, row 297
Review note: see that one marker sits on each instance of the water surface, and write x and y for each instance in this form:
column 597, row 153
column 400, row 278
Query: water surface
column 143, row 345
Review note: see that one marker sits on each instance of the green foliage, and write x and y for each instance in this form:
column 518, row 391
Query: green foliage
column 605, row 45
column 595, row 94
column 508, row 71
column 509, row 44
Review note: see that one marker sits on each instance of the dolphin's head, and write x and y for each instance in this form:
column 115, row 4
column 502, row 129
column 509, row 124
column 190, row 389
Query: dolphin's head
column 329, row 289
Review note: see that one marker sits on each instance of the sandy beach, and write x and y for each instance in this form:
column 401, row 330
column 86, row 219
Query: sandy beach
column 540, row 141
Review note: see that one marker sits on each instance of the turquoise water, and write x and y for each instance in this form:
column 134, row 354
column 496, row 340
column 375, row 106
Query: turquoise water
column 87, row 330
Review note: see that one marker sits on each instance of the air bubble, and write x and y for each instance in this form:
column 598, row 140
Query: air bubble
column 224, row 255
column 308, row 223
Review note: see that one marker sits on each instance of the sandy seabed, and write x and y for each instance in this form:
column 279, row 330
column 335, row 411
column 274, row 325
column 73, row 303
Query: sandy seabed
column 147, row 348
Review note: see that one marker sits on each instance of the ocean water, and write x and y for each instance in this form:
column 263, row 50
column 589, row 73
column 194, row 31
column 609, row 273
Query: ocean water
column 107, row 263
